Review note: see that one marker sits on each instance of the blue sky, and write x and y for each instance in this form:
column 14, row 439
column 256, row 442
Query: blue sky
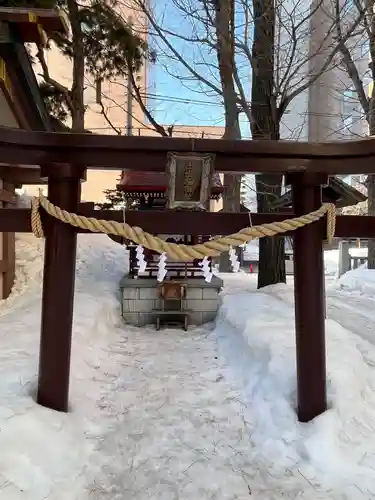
column 181, row 104
column 173, row 102
column 175, row 97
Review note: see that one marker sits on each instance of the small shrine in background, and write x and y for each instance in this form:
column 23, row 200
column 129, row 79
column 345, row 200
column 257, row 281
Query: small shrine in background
column 148, row 191
column 156, row 289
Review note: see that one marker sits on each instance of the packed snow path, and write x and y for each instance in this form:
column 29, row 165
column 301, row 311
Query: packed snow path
column 185, row 423
column 356, row 313
column 176, row 427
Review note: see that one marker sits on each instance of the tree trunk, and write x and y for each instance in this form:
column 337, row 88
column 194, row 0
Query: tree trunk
column 77, row 91
column 271, row 250
column 371, row 211
column 224, row 23
column 371, row 124
column 265, row 125
column 232, row 188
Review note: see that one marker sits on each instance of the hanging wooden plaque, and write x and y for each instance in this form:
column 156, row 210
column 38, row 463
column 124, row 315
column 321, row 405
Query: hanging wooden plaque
column 189, row 181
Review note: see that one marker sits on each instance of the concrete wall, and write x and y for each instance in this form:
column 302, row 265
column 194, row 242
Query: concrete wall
column 140, row 298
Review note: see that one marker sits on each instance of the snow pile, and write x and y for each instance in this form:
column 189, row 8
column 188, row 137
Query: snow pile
column 358, row 252
column 331, row 262
column 251, row 250
column 360, row 281
column 23, row 199
column 336, row 452
column 44, row 452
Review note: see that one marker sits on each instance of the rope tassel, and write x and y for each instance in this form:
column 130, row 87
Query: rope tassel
column 205, row 264
column 142, row 264
column 184, row 253
column 234, row 260
column 162, row 272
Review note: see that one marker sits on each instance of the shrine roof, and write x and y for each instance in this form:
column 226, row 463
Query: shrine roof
column 337, row 191
column 155, row 181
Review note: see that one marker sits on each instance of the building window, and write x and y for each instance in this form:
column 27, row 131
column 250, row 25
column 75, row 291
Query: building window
column 365, row 48
column 348, row 122
column 349, row 105
column 349, row 95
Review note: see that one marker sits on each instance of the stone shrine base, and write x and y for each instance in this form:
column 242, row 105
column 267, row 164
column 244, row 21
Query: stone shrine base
column 139, row 297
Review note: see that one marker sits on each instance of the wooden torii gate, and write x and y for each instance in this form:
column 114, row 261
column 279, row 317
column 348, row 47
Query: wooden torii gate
column 64, row 159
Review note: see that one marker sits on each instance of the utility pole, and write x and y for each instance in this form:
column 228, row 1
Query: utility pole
column 129, row 100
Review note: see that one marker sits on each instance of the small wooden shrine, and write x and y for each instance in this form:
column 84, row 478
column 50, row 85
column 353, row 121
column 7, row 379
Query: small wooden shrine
column 148, row 191
column 189, row 183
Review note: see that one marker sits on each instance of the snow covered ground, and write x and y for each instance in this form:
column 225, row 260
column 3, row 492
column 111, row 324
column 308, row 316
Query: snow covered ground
column 206, row 414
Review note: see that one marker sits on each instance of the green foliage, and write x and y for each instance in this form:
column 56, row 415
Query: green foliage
column 55, row 102
column 115, row 199
column 111, row 48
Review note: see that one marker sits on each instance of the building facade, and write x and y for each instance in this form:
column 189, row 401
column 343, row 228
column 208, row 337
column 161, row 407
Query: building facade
column 328, row 110
column 111, row 109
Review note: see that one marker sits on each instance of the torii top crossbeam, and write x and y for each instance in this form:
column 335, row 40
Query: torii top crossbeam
column 149, row 153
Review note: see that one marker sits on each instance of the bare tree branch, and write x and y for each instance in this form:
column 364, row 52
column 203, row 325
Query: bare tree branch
column 159, row 128
column 174, row 51
column 51, row 81
column 104, row 113
column 286, row 99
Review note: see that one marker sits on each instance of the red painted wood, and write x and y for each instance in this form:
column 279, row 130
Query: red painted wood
column 150, row 153
column 58, row 298
column 309, row 306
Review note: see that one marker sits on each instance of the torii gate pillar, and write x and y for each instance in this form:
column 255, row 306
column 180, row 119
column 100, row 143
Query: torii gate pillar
column 64, row 190
column 309, row 298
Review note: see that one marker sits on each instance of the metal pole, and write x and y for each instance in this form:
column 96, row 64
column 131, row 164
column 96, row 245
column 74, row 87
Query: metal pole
column 129, row 100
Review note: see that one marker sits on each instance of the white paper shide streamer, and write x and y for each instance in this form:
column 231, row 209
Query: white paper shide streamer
column 162, row 267
column 140, row 259
column 234, row 260
column 205, row 264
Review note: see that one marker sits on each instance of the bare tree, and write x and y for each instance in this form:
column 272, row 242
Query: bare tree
column 362, row 77
column 221, row 48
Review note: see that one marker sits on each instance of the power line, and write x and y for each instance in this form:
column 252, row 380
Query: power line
column 182, row 100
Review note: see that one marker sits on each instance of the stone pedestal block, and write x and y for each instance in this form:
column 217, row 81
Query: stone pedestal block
column 139, row 298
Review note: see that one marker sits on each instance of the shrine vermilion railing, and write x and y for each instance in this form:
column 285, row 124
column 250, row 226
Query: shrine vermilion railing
column 63, row 159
